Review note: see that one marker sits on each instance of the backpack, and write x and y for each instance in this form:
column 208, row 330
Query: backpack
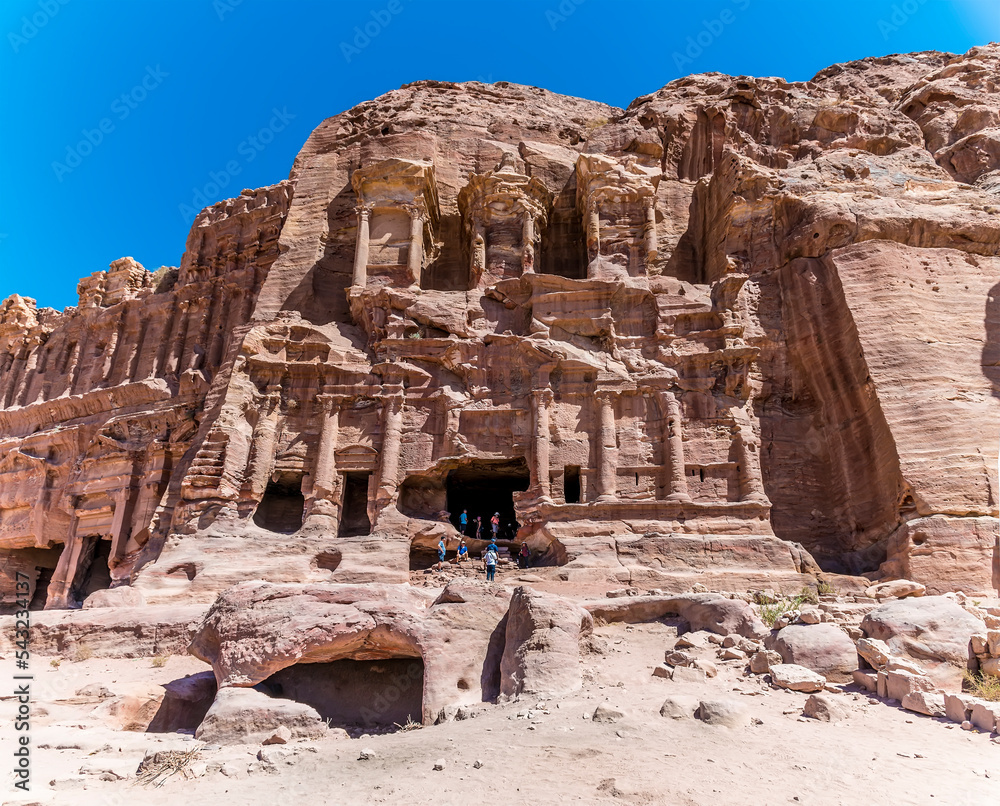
column 491, row 557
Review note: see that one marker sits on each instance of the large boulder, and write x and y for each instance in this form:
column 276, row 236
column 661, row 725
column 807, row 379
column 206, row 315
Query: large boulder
column 542, row 649
column 703, row 611
column 824, row 648
column 933, row 630
column 185, row 703
column 248, row 716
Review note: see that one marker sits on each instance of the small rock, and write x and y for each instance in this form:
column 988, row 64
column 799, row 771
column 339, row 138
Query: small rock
column 823, row 708
column 676, row 658
column 688, row 674
column 810, row 615
column 663, row 671
column 732, row 653
column 477, row 764
column 796, row 678
column 895, row 589
column 679, row 707
column 94, row 690
column 367, row 754
column 439, row 764
column 727, row 713
column 281, row 736
column 709, row 668
column 764, row 660
column 607, row 713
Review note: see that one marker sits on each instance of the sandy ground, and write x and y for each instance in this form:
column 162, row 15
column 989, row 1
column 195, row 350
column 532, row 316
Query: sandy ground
column 555, row 754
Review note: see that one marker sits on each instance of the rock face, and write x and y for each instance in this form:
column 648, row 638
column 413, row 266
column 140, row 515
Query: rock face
column 933, row 630
column 739, row 325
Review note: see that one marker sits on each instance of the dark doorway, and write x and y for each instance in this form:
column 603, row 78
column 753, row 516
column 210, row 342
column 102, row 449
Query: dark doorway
column 92, row 570
column 571, row 484
column 354, row 517
column 281, row 508
column 487, row 487
column 355, row 693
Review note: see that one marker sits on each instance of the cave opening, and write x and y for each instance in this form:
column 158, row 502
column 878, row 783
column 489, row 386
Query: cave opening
column 354, row 520
column 485, row 488
column 356, row 694
column 93, row 572
column 571, row 484
column 282, row 506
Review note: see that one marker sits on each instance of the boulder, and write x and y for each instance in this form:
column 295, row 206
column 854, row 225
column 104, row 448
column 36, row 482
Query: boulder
column 958, row 707
column 933, row 630
column 899, row 683
column 123, row 596
column 824, row 708
column 867, row 679
column 688, row 674
column 762, row 661
column 607, row 713
column 985, row 715
column 924, row 702
column 796, row 678
column 711, row 612
column 726, row 713
column 542, row 646
column 248, row 716
column 679, row 707
column 876, row 653
column 895, row 589
column 824, row 648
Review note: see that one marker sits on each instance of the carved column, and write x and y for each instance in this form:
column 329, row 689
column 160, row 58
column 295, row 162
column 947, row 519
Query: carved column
column 58, row 596
column 361, row 249
column 392, row 439
column 478, row 253
column 748, row 455
column 593, row 236
column 415, row 257
column 263, row 446
column 674, row 445
column 540, row 400
column 608, row 446
column 325, row 470
column 528, row 243
column 650, row 229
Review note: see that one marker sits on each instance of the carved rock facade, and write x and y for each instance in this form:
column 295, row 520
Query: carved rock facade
column 739, row 325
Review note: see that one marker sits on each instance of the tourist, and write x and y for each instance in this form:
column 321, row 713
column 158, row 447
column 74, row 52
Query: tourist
column 442, row 550
column 490, row 561
column 524, row 555
column 463, row 552
column 478, row 528
column 495, row 523
column 463, row 522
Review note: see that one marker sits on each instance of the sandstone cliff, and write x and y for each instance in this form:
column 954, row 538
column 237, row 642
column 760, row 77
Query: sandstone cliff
column 742, row 327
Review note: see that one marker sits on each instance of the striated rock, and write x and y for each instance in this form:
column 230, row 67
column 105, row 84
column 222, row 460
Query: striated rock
column 542, row 647
column 896, row 589
column 719, row 338
column 933, row 630
column 823, row 648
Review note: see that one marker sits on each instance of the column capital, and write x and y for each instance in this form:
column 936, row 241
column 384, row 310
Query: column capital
column 545, row 395
column 363, row 210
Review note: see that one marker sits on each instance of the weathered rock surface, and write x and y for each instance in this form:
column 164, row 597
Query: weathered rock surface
column 933, row 630
column 795, row 677
column 824, row 648
column 542, row 644
column 247, row 716
column 703, row 611
column 742, row 327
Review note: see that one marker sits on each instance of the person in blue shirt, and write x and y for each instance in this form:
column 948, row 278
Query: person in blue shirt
column 490, row 561
column 442, row 550
column 463, row 521
column 463, row 551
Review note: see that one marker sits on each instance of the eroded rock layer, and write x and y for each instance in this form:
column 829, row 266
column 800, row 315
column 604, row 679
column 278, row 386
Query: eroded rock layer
column 743, row 330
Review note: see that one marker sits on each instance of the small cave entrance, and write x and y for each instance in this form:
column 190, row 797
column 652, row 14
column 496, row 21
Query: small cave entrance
column 92, row 570
column 281, row 508
column 354, row 519
column 571, row 484
column 366, row 694
column 484, row 488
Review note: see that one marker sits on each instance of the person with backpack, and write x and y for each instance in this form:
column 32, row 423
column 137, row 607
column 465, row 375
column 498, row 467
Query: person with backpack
column 490, row 560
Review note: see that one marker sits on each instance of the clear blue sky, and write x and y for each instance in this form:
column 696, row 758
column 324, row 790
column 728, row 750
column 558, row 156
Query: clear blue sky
column 181, row 86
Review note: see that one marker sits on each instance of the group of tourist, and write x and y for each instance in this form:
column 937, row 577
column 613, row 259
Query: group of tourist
column 485, row 527
column 490, row 557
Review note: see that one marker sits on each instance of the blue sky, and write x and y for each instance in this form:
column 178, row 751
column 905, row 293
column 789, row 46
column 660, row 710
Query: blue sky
column 119, row 117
